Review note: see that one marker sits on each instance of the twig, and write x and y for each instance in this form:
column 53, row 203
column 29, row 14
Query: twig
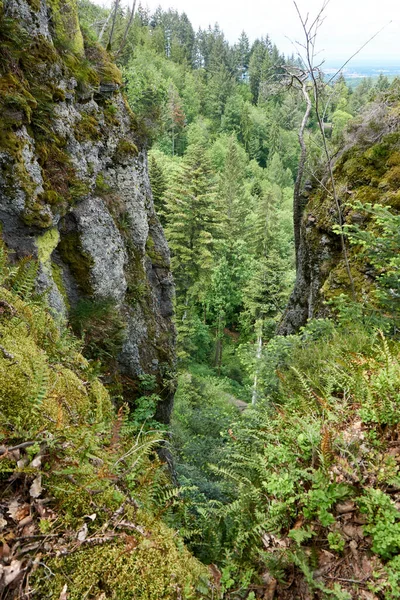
column 7, row 354
column 4, row 450
column 358, row 581
column 357, row 52
column 132, row 526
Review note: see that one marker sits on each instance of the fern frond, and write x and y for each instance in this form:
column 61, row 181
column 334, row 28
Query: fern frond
column 304, row 384
column 42, row 379
column 3, row 263
column 327, row 446
column 24, row 279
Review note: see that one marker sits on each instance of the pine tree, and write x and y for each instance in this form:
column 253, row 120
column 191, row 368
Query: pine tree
column 192, row 224
column 158, row 188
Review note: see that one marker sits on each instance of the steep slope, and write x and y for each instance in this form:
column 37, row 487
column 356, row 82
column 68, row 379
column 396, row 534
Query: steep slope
column 366, row 171
column 81, row 492
column 74, row 189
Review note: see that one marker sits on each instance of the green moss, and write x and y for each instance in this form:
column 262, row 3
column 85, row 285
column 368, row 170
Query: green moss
column 125, row 148
column 110, row 111
column 57, row 275
column 34, row 4
column 101, row 186
column 80, row 263
column 51, row 197
column 62, row 186
column 101, row 325
column 368, row 176
column 16, row 101
column 156, row 257
column 135, row 568
column 65, row 21
column 87, row 128
column 107, row 71
column 46, row 244
column 78, row 189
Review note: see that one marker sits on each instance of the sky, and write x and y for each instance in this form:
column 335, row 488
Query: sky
column 348, row 24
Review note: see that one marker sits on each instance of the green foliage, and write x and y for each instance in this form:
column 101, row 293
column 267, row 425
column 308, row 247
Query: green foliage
column 378, row 245
column 383, row 522
column 89, row 461
column 101, row 326
column 297, row 461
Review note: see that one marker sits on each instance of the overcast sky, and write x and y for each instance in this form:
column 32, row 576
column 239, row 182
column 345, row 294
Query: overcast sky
column 348, row 24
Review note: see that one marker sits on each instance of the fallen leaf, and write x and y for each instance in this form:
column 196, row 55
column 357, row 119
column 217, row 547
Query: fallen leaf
column 64, row 595
column 3, row 522
column 37, row 461
column 18, row 511
column 4, row 551
column 82, row 533
column 345, row 507
column 216, row 573
column 13, row 508
column 25, row 521
column 36, row 487
column 11, row 573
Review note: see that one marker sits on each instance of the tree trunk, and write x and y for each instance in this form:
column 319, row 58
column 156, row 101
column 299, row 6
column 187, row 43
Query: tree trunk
column 129, row 25
column 297, row 201
column 113, row 25
column 106, row 22
column 259, row 325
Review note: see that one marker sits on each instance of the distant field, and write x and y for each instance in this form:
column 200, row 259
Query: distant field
column 354, row 74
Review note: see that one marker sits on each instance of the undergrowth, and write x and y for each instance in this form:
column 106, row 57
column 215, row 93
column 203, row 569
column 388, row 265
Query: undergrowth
column 83, row 491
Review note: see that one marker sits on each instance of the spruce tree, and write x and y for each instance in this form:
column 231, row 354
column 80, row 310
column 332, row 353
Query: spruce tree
column 158, row 188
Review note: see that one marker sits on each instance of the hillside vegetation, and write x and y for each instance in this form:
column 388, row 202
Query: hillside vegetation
column 278, row 474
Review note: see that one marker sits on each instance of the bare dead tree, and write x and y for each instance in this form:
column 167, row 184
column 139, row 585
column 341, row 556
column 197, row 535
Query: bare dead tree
column 315, row 78
column 105, row 24
column 310, row 81
column 127, row 28
column 116, row 6
column 297, row 78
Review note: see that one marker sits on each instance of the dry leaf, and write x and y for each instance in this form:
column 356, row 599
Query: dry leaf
column 64, row 595
column 345, row 507
column 82, row 533
column 216, row 573
column 4, row 551
column 37, row 461
column 13, row 508
column 3, row 522
column 10, row 573
column 17, row 511
column 36, row 487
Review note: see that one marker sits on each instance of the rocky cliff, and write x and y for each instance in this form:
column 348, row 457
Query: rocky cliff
column 366, row 171
column 75, row 192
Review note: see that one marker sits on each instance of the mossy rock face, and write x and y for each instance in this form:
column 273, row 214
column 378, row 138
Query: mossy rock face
column 74, row 188
column 80, row 263
column 367, row 172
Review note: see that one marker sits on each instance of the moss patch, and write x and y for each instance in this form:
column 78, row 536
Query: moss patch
column 80, row 263
column 363, row 175
column 65, row 22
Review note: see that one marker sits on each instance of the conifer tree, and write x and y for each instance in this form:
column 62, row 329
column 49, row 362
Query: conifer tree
column 158, row 187
column 192, row 220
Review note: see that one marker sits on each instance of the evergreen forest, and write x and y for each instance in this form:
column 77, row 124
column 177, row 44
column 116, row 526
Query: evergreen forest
column 276, row 473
